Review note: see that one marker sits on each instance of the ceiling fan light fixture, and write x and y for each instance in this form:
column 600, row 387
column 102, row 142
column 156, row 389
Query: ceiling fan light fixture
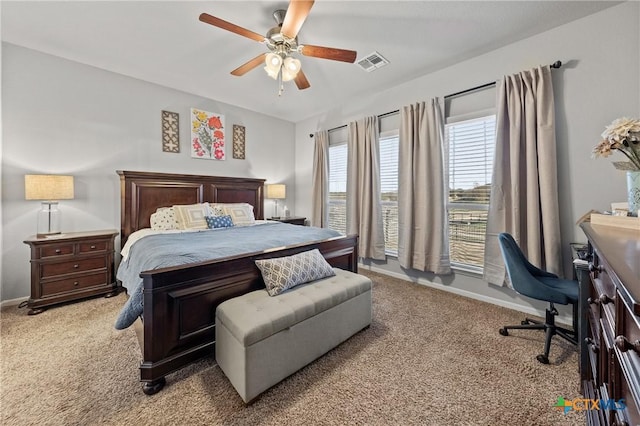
column 292, row 65
column 273, row 73
column 287, row 75
column 273, row 61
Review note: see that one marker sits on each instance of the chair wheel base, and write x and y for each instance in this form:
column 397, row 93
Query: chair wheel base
column 503, row 331
column 543, row 359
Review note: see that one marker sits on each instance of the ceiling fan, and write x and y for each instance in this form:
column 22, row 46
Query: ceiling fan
column 282, row 42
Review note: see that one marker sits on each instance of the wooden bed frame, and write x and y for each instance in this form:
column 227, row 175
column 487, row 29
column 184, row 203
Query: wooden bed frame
column 180, row 302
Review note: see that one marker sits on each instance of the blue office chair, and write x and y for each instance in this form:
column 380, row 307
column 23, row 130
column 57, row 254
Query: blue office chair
column 533, row 282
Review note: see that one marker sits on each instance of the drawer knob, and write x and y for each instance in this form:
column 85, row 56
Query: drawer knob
column 75, row 283
column 76, row 266
column 624, row 344
column 604, row 299
column 58, row 251
column 93, row 247
column 594, row 268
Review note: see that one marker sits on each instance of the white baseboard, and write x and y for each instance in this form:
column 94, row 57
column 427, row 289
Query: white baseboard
column 562, row 319
column 12, row 302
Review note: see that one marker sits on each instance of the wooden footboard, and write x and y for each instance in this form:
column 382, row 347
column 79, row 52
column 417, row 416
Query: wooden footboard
column 180, row 302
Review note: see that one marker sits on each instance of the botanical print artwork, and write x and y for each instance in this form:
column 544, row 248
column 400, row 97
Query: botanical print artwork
column 207, row 135
column 170, row 132
column 238, row 141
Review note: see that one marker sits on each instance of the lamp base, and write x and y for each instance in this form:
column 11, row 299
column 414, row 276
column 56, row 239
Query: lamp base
column 48, row 219
column 48, row 234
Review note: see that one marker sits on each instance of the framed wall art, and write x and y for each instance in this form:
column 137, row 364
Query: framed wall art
column 207, row 135
column 238, row 141
column 170, row 132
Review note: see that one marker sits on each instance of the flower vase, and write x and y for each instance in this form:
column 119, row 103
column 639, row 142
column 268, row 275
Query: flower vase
column 633, row 192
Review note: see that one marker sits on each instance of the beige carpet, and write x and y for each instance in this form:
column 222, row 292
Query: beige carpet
column 429, row 358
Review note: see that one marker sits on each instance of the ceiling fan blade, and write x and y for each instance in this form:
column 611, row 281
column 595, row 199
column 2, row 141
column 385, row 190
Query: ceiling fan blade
column 301, row 81
column 220, row 23
column 297, row 12
column 329, row 53
column 249, row 65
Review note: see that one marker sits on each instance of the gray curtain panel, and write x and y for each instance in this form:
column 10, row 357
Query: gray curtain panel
column 524, row 191
column 364, row 208
column 423, row 241
column 320, row 183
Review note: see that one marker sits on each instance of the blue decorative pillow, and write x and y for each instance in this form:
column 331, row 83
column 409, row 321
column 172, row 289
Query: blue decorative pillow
column 219, row 221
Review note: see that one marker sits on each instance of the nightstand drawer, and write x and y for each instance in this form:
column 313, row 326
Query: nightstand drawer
column 49, row 270
column 92, row 247
column 56, row 250
column 73, row 284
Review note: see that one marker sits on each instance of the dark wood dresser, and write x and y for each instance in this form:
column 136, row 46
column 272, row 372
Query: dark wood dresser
column 610, row 324
column 71, row 266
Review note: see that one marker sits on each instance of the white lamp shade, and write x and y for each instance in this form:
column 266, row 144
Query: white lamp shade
column 48, row 187
column 277, row 191
column 273, row 60
column 292, row 65
column 271, row 73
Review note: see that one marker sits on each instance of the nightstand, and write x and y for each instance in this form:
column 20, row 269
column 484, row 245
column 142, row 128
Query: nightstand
column 294, row 220
column 71, row 266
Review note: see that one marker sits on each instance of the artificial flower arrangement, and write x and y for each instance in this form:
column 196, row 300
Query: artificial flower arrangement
column 623, row 135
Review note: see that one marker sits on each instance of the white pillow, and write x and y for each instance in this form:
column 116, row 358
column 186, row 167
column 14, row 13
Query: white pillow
column 192, row 216
column 241, row 213
column 164, row 219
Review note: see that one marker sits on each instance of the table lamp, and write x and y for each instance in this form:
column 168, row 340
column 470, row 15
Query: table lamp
column 277, row 191
column 49, row 189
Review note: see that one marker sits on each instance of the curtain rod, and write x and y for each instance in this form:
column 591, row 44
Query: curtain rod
column 345, row 125
column 556, row 64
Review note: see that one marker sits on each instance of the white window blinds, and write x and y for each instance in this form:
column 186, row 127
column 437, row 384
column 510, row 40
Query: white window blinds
column 389, row 189
column 470, row 149
column 338, row 187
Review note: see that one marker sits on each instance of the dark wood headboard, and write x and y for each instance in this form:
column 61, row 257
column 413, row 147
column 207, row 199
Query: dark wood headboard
column 141, row 193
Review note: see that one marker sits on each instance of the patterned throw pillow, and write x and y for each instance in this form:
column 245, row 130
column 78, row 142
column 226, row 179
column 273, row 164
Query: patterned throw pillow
column 164, row 219
column 282, row 273
column 216, row 209
column 191, row 216
column 219, row 221
column 241, row 213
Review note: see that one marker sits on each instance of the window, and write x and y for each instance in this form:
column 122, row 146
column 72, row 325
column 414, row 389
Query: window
column 338, row 187
column 470, row 146
column 389, row 144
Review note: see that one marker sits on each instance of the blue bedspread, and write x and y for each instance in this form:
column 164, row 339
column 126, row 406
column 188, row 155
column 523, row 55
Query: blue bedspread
column 163, row 250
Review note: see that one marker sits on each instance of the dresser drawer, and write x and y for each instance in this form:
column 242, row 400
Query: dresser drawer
column 92, row 247
column 74, row 284
column 56, row 250
column 603, row 285
column 48, row 270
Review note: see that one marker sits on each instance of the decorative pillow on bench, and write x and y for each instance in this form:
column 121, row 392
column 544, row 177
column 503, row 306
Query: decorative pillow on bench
column 282, row 273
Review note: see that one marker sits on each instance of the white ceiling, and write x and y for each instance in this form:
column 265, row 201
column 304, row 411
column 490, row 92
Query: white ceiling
column 164, row 42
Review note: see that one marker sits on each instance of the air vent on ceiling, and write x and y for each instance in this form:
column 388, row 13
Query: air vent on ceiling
column 372, row 61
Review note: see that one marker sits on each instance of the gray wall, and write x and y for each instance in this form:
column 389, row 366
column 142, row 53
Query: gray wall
column 599, row 81
column 64, row 117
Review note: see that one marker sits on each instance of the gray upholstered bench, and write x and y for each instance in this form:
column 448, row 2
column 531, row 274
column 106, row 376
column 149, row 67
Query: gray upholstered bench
column 260, row 339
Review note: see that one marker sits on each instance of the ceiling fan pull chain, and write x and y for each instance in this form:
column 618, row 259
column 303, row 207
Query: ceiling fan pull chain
column 280, row 83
